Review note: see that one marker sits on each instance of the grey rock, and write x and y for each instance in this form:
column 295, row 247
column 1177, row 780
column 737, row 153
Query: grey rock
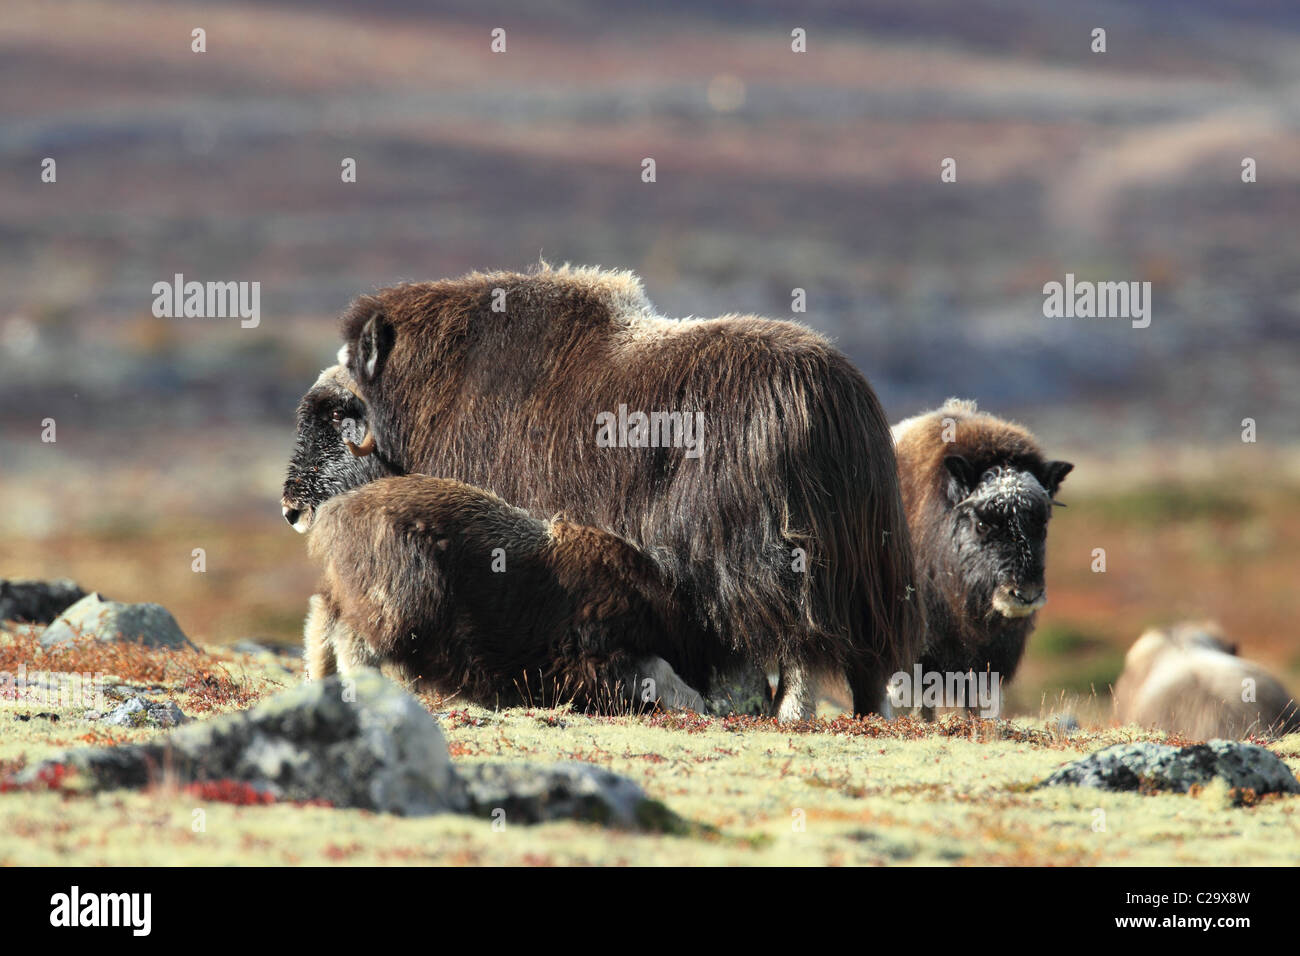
column 127, row 691
column 1151, row 766
column 249, row 646
column 138, row 712
column 92, row 616
column 37, row 602
column 358, row 742
column 532, row 793
column 364, row 743
column 1064, row 724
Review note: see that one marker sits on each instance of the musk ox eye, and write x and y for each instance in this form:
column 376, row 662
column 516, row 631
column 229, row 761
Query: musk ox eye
column 981, row 527
column 336, row 417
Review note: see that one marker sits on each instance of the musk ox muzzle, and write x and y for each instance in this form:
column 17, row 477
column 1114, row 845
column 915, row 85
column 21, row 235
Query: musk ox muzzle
column 299, row 519
column 1013, row 600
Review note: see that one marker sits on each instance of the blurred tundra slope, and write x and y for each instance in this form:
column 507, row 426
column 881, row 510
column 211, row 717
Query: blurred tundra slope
column 775, row 171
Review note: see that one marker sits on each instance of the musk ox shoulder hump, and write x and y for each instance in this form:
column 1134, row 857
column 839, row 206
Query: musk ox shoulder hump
column 614, row 299
column 609, row 295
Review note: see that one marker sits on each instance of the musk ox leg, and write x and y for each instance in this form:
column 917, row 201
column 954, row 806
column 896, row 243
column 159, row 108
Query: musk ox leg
column 870, row 691
column 796, row 694
column 886, row 708
column 672, row 692
column 351, row 649
column 330, row 646
column 318, row 646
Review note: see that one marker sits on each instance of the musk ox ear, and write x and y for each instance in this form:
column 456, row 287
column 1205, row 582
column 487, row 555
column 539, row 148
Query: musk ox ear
column 962, row 477
column 370, row 350
column 1054, row 473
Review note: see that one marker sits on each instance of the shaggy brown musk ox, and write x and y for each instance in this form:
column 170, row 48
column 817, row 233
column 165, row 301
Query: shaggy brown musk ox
column 978, row 493
column 784, row 532
column 446, row 586
column 1188, row 680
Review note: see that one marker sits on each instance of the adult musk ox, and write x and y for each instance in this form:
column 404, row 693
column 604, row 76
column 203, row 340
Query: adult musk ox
column 449, row 587
column 779, row 524
column 1188, row 680
column 978, row 493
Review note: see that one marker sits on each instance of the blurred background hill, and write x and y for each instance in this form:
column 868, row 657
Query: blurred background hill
column 775, row 170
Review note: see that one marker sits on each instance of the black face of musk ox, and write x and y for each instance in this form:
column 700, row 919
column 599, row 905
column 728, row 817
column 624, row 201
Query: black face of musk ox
column 446, row 586
column 1188, row 680
column 770, row 501
column 978, row 494
column 330, row 418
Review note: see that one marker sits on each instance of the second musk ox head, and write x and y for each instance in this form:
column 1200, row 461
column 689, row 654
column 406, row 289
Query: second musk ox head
column 999, row 534
column 979, row 494
column 333, row 449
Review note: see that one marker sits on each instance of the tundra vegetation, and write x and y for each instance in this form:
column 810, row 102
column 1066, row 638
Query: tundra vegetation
column 830, row 790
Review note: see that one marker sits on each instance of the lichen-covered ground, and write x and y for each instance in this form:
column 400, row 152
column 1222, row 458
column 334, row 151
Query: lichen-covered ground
column 838, row 791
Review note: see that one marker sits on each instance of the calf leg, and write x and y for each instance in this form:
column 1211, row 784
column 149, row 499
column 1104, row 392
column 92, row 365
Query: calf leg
column 330, row 646
column 318, row 648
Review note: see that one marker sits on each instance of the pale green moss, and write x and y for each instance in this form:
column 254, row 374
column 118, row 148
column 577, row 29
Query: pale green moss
column 757, row 796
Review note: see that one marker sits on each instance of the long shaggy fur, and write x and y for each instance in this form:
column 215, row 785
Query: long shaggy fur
column 797, row 453
column 445, row 585
column 978, row 493
column 451, row 588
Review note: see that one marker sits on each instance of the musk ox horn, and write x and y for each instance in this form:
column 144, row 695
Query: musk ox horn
column 366, row 447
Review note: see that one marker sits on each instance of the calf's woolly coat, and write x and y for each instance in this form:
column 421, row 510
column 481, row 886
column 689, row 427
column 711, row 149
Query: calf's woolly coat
column 453, row 589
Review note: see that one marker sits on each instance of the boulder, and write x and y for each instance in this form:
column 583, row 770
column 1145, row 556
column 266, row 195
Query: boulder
column 37, row 602
column 352, row 742
column 357, row 742
column 532, row 793
column 138, row 712
column 1163, row 767
column 93, row 617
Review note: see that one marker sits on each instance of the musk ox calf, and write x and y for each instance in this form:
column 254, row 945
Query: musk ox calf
column 747, row 458
column 978, row 493
column 1189, row 680
column 448, row 587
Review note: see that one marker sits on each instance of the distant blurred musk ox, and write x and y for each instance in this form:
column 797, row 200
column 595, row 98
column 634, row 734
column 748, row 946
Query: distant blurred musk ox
column 784, row 533
column 446, row 586
column 1189, row 680
column 978, row 494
